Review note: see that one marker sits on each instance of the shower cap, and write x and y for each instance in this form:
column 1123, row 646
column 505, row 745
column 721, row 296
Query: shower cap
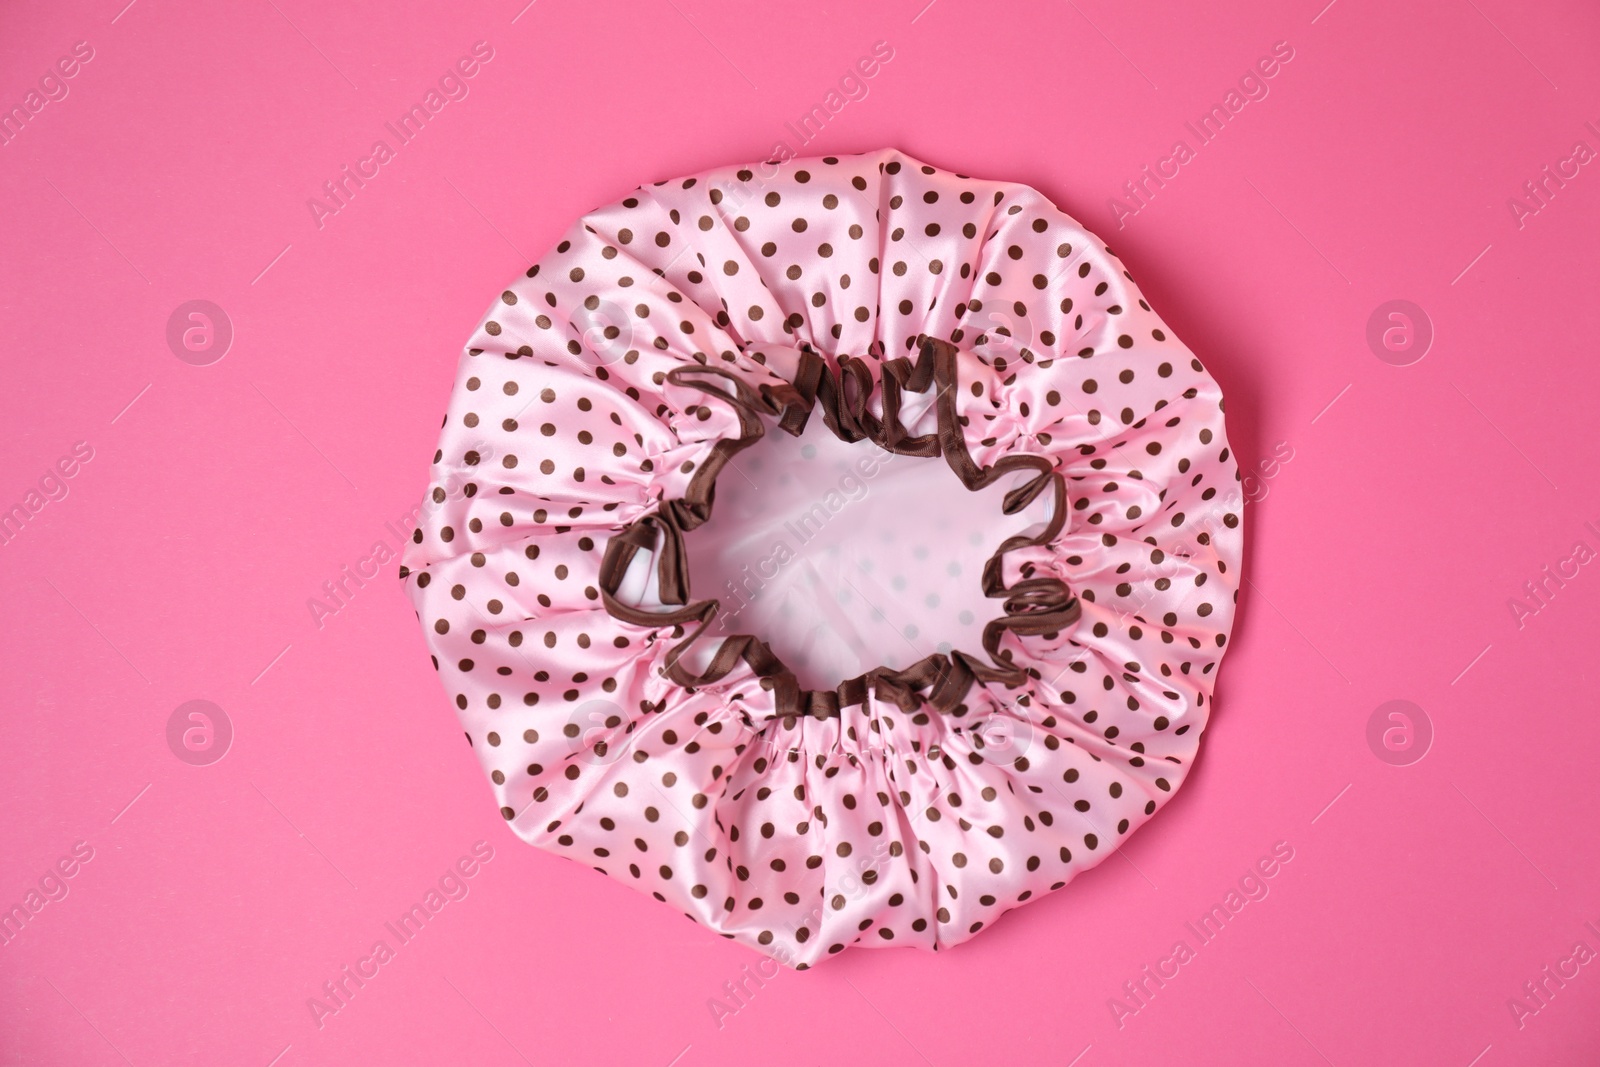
column 927, row 324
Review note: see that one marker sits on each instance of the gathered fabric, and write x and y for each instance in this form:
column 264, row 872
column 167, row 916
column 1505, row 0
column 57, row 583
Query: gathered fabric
column 664, row 740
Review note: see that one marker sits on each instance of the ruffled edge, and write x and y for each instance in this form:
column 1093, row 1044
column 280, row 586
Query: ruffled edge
column 1042, row 606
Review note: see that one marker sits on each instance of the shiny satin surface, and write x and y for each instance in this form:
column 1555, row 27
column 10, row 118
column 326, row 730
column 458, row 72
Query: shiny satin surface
column 891, row 822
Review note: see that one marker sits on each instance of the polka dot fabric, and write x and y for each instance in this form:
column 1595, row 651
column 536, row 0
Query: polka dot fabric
column 935, row 315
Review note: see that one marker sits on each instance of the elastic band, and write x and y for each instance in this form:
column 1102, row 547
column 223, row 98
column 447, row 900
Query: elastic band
column 1034, row 606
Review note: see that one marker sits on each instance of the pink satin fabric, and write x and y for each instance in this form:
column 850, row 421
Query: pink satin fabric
column 799, row 835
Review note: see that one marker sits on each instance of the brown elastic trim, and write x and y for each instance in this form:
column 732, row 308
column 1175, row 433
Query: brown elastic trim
column 900, row 374
column 1034, row 606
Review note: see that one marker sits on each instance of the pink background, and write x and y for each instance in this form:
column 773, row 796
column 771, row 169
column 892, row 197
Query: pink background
column 1381, row 559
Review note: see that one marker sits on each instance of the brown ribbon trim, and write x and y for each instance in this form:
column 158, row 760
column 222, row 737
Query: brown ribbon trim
column 1033, row 606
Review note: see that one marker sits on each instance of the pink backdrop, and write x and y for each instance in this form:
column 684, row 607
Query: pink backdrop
column 1402, row 512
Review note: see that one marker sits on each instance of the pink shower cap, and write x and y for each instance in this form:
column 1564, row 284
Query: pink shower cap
column 723, row 754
